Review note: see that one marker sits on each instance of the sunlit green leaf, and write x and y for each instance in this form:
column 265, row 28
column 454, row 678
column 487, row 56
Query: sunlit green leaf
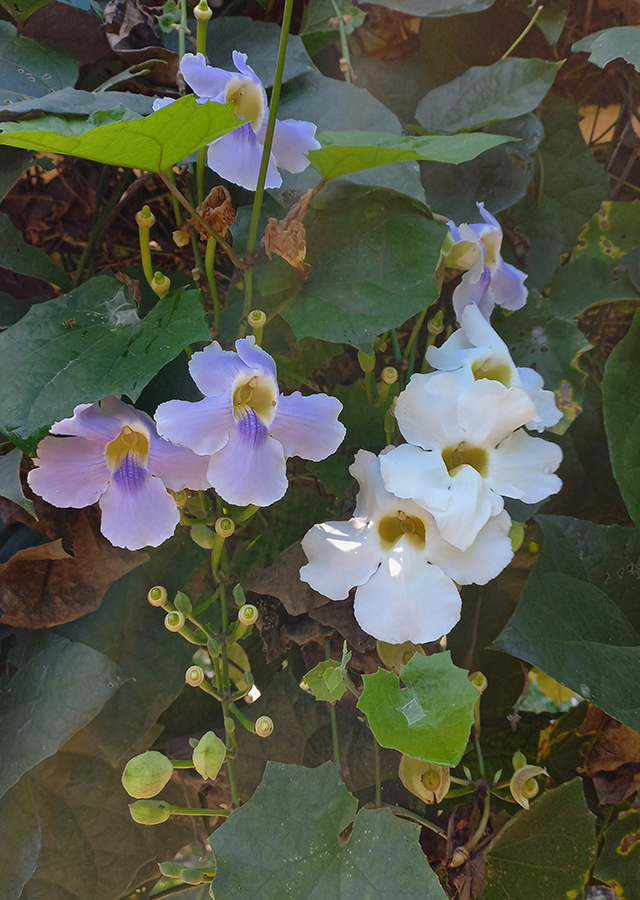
column 612, row 43
column 321, row 680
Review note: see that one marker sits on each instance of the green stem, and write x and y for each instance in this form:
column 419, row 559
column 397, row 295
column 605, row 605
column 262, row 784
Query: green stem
column 264, row 163
column 480, row 830
column 246, row 514
column 332, row 714
column 201, row 34
column 246, row 723
column 209, row 261
column 182, row 30
column 118, row 191
column 370, row 386
column 407, row 814
column 200, row 164
column 533, row 21
column 145, row 253
column 182, row 763
column 209, row 689
column 414, row 334
column 207, row 603
column 479, row 753
column 376, row 756
column 226, row 682
column 344, row 46
column 174, row 201
column 185, row 811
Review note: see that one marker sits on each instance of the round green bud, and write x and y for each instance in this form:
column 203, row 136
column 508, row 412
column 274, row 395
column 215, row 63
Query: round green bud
column 181, row 498
column 264, row 726
column 194, row 676
column 257, row 318
column 533, row 547
column 160, row 284
column 157, row 596
column 248, row 614
column 479, row 680
column 225, row 526
column 174, row 621
column 389, row 375
column 145, row 218
column 147, row 774
column 202, row 12
column 149, row 812
column 182, row 603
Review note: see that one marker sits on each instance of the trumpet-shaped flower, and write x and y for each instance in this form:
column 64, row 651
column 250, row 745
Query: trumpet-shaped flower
column 476, row 351
column 488, row 280
column 111, row 453
column 245, row 426
column 395, row 556
column 466, row 451
column 236, row 156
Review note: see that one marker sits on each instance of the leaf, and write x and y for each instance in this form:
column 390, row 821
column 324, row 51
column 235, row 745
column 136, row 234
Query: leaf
column 610, row 756
column 61, row 689
column 154, row 143
column 431, row 717
column 484, row 94
column 588, row 282
column 19, row 839
column 10, row 485
column 18, row 256
column 364, row 423
column 13, row 163
column 321, row 681
column 317, row 14
column 552, row 844
column 29, row 69
column 22, row 9
column 302, row 813
column 436, row 7
column 612, row 43
column 351, row 151
column 621, row 399
column 583, row 590
column 109, row 350
column 69, row 101
column 619, row 862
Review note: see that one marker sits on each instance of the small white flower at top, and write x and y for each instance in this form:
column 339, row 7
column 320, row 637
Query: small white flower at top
column 395, row 556
column 111, row 453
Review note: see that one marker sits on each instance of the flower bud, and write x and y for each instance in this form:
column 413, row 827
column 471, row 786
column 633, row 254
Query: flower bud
column 334, row 22
column 149, row 812
column 208, row 755
column 194, row 676
column 257, row 318
column 160, row 284
column 213, row 647
column 145, row 218
column 182, row 603
column 248, row 614
column 435, row 325
column 389, row 375
column 346, row 18
column 248, row 679
column 367, row 361
column 518, row 760
column 174, row 621
column 202, row 11
column 426, row 780
column 344, row 64
column 157, row 596
column 393, row 656
column 181, row 498
column 181, row 236
column 478, row 680
column 229, row 725
column 224, row 526
column 238, row 595
column 459, row 858
column 264, row 726
column 147, row 774
column 203, row 536
column 523, row 785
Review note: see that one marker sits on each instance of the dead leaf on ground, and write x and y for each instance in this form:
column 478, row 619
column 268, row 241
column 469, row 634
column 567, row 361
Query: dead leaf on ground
column 62, row 580
column 217, row 211
column 282, row 580
column 612, row 758
column 130, row 32
column 287, row 238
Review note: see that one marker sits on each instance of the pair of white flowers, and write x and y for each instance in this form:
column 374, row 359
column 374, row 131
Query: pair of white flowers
column 430, row 513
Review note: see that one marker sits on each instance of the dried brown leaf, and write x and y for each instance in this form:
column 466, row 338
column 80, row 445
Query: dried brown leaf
column 612, row 758
column 287, row 238
column 130, row 32
column 217, row 211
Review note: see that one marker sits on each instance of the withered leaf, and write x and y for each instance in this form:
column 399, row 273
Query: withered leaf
column 612, row 757
column 282, row 580
column 130, row 32
column 287, row 238
column 217, row 211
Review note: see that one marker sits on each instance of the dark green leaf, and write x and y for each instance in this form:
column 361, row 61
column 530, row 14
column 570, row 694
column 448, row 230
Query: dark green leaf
column 579, row 616
column 154, row 143
column 587, row 282
column 619, row 862
column 18, row 256
column 70, row 102
column 484, row 94
column 334, row 473
column 548, row 848
column 19, row 839
column 430, row 718
column 29, row 69
column 107, row 350
column 302, row 813
column 364, row 423
column 13, row 163
column 317, row 14
column 22, row 9
column 50, row 698
column 621, row 398
column 10, row 485
column 436, row 7
column 612, row 43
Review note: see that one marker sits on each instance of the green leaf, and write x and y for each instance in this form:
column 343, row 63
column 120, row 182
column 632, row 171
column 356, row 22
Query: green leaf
column 71, row 102
column 10, row 484
column 29, row 69
column 612, row 43
column 302, row 813
column 22, row 9
column 587, row 282
column 13, row 163
column 321, row 680
column 436, row 8
column 612, row 232
column 364, row 423
column 51, row 697
column 154, row 143
column 208, row 755
column 552, row 844
column 484, row 94
column 107, row 350
column 317, row 14
column 19, row 839
column 619, row 862
column 351, row 151
column 18, row 256
column 583, row 591
column 621, row 399
column 430, row 718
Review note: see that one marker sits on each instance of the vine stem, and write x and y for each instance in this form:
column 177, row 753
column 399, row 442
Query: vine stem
column 526, row 31
column 116, row 194
column 209, row 260
column 376, row 755
column 344, row 46
column 332, row 714
column 264, row 162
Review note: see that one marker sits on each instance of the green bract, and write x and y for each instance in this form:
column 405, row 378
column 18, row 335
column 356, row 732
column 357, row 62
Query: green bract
column 146, row 775
column 208, row 755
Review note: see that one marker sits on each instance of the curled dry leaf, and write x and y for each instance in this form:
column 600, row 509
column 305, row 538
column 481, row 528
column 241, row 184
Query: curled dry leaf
column 130, row 32
column 287, row 238
column 217, row 211
column 62, row 580
column 612, row 758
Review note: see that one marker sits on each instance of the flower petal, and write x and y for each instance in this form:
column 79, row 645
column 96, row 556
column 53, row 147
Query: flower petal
column 177, row 467
column 425, row 411
column 485, row 558
column 205, row 81
column 291, row 141
column 470, row 291
column 308, row 426
column 215, row 370
column 91, row 422
column 547, row 413
column 487, row 411
column 236, row 157
column 341, row 555
column 70, row 471
column 203, row 426
column 161, row 102
column 373, row 497
column 471, row 504
column 421, row 475
column 249, row 471
column 255, row 357
column 507, row 286
column 240, row 62
column 522, row 467
column 407, row 599
column 138, row 514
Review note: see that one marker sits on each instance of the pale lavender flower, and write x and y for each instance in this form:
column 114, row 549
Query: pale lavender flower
column 111, row 453
column 245, row 426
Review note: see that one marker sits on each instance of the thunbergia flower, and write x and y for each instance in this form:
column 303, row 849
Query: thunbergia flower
column 476, row 351
column 466, row 451
column 245, row 426
column 111, row 453
column 236, row 156
column 488, row 280
column 395, row 556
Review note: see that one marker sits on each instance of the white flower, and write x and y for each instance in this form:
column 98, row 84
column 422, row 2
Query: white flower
column 403, row 570
column 466, row 451
column 476, row 351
